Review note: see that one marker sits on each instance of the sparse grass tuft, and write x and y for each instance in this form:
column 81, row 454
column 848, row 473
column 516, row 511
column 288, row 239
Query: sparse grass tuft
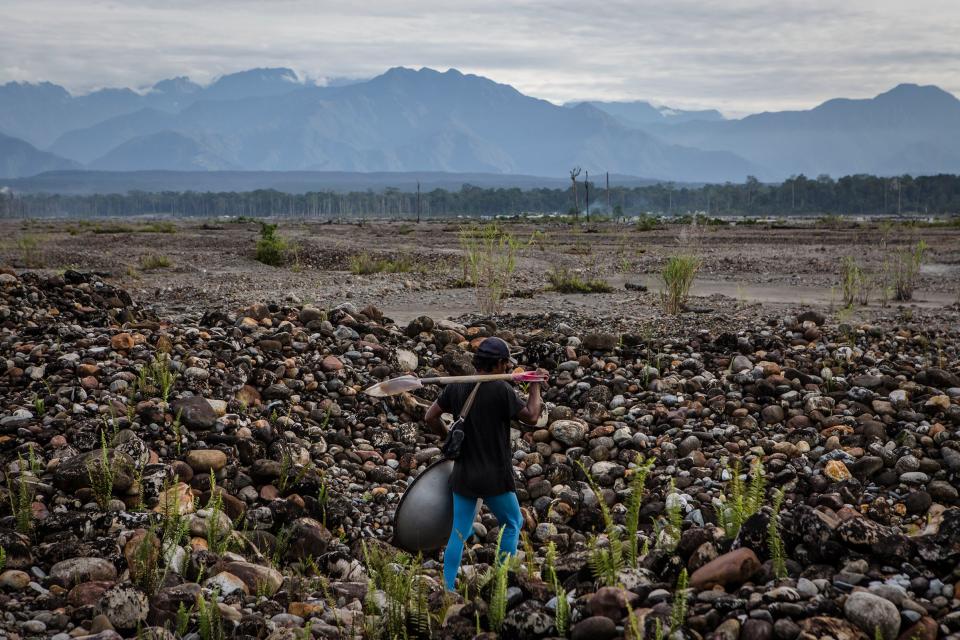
column 563, row 280
column 906, row 268
column 365, row 264
column 678, row 276
column 489, row 260
column 854, row 282
column 159, row 226
column 30, row 247
column 152, row 261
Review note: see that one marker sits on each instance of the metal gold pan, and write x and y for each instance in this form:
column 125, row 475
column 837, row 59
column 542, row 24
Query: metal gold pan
column 424, row 518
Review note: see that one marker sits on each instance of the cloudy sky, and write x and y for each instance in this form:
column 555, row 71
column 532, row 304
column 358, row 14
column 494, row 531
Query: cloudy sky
column 736, row 55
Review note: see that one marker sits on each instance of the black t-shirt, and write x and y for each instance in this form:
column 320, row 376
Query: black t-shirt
column 485, row 465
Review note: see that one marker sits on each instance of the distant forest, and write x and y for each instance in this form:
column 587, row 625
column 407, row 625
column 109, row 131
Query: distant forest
column 850, row 195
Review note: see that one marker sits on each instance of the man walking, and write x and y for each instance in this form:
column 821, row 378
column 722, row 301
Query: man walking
column 484, row 469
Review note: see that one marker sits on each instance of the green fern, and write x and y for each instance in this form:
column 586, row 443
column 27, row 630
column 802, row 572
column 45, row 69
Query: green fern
column 529, row 555
column 634, row 503
column 400, row 578
column 742, row 501
column 497, row 609
column 550, row 564
column 208, row 615
column 678, row 611
column 3, row 558
column 182, row 620
column 658, row 630
column 606, row 562
column 102, row 475
column 757, row 491
column 775, row 540
column 21, row 499
column 561, row 619
column 601, row 503
column 632, row 630
column 562, row 614
column 668, row 534
column 218, row 535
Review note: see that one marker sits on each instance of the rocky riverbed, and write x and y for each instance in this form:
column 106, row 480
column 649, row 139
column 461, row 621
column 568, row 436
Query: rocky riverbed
column 220, row 471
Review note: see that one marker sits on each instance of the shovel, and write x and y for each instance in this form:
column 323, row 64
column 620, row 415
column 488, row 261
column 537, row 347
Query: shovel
column 409, row 383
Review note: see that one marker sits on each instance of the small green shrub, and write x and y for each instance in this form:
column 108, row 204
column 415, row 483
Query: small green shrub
column 271, row 248
column 678, row 276
column 646, row 223
column 563, row 280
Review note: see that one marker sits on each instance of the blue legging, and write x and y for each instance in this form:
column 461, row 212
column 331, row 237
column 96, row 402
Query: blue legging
column 507, row 510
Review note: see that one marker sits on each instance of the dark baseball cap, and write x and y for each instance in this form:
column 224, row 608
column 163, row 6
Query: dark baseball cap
column 497, row 349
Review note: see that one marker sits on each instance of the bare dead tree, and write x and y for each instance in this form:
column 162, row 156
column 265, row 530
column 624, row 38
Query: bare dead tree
column 576, row 198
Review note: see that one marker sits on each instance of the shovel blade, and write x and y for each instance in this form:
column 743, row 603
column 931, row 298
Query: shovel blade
column 394, row 386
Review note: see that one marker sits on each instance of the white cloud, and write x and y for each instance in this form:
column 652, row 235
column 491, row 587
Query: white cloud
column 738, row 55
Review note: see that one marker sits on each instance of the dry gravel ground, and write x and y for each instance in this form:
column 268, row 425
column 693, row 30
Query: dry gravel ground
column 213, row 265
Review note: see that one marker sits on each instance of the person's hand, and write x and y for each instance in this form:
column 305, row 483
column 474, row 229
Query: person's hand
column 546, row 377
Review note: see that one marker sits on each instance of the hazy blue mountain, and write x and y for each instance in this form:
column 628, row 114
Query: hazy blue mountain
column 38, row 113
column 41, row 113
column 409, row 120
column 425, row 120
column 19, row 158
column 253, row 83
column 85, row 145
column 166, row 150
column 909, row 129
column 639, row 113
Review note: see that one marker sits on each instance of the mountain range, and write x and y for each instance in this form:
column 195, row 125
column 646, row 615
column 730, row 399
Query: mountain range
column 424, row 120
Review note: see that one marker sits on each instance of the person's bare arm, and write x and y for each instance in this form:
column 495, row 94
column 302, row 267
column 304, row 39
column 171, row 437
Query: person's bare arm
column 531, row 412
column 433, row 421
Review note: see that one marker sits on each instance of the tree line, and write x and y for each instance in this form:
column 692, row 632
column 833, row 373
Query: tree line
column 798, row 195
